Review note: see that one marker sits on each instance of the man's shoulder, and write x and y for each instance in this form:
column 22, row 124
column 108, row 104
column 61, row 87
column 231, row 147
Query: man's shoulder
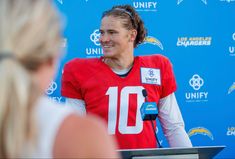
column 154, row 57
column 81, row 64
column 82, row 61
column 156, row 60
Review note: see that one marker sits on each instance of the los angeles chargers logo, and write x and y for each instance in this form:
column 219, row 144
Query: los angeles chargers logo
column 201, row 131
column 231, row 88
column 154, row 41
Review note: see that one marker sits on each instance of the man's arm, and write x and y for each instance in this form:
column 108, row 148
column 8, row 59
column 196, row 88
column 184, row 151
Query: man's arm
column 172, row 122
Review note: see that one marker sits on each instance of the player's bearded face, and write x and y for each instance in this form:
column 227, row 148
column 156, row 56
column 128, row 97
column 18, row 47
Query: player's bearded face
column 114, row 38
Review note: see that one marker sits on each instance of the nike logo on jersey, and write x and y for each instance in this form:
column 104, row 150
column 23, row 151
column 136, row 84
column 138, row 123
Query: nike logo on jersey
column 150, row 76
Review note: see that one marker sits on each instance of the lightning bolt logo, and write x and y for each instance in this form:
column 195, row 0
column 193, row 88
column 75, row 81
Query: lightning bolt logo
column 201, row 131
column 60, row 1
column 231, row 88
column 179, row 1
column 153, row 41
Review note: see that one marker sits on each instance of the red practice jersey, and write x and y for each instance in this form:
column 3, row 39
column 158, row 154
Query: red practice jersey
column 118, row 100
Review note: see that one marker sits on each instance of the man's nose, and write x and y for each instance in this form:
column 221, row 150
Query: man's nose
column 104, row 38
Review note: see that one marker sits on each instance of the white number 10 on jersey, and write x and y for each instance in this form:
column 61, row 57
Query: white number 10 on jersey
column 123, row 128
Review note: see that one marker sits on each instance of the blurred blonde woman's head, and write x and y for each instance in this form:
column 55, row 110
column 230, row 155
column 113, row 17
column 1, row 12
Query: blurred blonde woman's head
column 30, row 36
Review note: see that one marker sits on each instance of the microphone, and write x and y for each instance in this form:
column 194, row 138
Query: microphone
column 149, row 111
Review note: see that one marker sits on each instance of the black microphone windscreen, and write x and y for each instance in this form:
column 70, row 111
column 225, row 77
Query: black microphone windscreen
column 144, row 92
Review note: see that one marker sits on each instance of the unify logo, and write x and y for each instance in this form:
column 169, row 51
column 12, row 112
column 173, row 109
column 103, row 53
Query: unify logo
column 154, row 41
column 231, row 131
column 179, row 1
column 50, row 90
column 194, row 41
column 150, row 76
column 94, row 51
column 151, row 73
column 95, row 36
column 149, row 6
column 52, row 87
column 232, row 48
column 196, row 82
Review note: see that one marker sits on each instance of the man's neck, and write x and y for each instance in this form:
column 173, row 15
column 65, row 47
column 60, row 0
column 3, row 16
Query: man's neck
column 119, row 63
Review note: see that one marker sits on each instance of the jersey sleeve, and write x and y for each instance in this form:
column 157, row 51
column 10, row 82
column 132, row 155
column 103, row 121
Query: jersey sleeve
column 70, row 84
column 168, row 78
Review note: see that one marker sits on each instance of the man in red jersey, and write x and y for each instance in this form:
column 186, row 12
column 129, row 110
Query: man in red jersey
column 111, row 86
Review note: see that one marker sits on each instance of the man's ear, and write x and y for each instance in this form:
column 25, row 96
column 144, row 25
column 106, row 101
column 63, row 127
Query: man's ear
column 133, row 34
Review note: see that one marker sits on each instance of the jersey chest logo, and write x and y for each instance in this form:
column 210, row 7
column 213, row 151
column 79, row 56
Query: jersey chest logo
column 150, row 75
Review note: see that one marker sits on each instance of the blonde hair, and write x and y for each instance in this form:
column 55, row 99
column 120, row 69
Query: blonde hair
column 30, row 35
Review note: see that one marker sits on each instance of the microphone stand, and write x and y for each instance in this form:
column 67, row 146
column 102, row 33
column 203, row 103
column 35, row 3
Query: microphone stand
column 144, row 92
column 159, row 145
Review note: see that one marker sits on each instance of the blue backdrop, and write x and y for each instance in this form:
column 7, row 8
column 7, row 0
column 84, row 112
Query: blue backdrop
column 198, row 36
